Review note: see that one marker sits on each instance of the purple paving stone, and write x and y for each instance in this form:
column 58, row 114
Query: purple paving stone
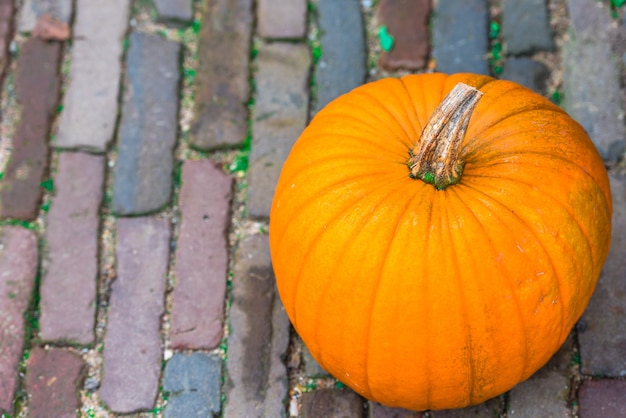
column 32, row 10
column 18, row 268
column 602, row 329
column 526, row 26
column 174, row 9
column 132, row 344
column 332, row 403
column 460, row 36
column 280, row 115
column 222, row 83
column 377, row 410
column 493, row 408
column 201, row 257
column 342, row 65
column 149, row 125
column 591, row 77
column 37, row 85
column 70, row 267
column 53, row 380
column 97, row 47
column 7, row 10
column 602, row 399
column 280, row 19
column 259, row 337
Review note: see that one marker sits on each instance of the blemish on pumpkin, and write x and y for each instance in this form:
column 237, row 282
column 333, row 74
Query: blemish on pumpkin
column 519, row 247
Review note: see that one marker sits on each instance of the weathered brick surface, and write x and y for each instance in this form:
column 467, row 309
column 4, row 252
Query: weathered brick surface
column 492, row 408
column 174, row 9
column 602, row 398
column 526, row 26
column 70, row 265
column 460, row 36
column 149, row 125
column 201, row 257
column 407, row 21
column 132, row 345
column 591, row 79
column 31, row 10
column 90, row 102
column 259, row 336
column 377, row 410
column 281, row 19
column 332, row 403
column 18, row 268
column 342, row 65
column 527, row 72
column 602, row 329
column 53, row 379
column 37, row 86
column 311, row 367
column 222, row 88
column 193, row 384
column 280, row 115
column 6, row 32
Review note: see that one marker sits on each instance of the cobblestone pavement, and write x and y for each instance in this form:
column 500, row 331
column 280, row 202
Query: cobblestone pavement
column 140, row 144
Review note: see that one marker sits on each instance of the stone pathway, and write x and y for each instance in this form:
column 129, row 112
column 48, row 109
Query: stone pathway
column 137, row 165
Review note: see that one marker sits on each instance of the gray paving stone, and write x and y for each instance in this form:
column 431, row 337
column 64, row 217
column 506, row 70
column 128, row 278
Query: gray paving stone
column 197, row 317
column 602, row 398
column 175, row 9
column 132, row 344
column 377, row 410
column 280, row 115
column 342, row 65
column 459, row 36
column 222, row 85
column 281, row 19
column 193, row 383
column 37, row 86
column 70, row 265
column 493, row 408
column 7, row 10
column 53, row 379
column 149, row 126
column 18, row 268
column 602, row 329
column 527, row 72
column 31, row 10
column 526, row 26
column 311, row 367
column 256, row 384
column 332, row 403
column 99, row 30
column 591, row 79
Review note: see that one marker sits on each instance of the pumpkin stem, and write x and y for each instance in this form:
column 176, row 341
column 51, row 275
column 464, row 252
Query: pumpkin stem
column 435, row 158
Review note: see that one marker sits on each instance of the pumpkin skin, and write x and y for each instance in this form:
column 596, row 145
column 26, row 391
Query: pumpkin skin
column 432, row 299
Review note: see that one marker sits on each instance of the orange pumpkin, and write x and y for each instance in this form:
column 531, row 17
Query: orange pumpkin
column 433, row 259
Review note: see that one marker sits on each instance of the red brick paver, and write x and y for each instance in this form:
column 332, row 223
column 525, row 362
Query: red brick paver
column 332, row 403
column 18, row 267
column 201, row 257
column 6, row 33
column 53, row 380
column 602, row 399
column 70, row 266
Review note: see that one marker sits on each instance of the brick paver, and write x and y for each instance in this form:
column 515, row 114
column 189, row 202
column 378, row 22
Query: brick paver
column 493, row 408
column 527, row 72
column 174, row 9
column 602, row 398
column 7, row 10
column 99, row 29
column 280, row 19
column 377, row 410
column 602, row 329
column 332, row 403
column 18, row 268
column 37, row 86
column 192, row 383
column 407, row 21
column 460, row 36
column 149, row 125
column 222, row 85
column 53, row 379
column 256, row 383
column 342, row 65
column 280, row 115
column 197, row 317
column 526, row 26
column 32, row 10
column 594, row 101
column 132, row 345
